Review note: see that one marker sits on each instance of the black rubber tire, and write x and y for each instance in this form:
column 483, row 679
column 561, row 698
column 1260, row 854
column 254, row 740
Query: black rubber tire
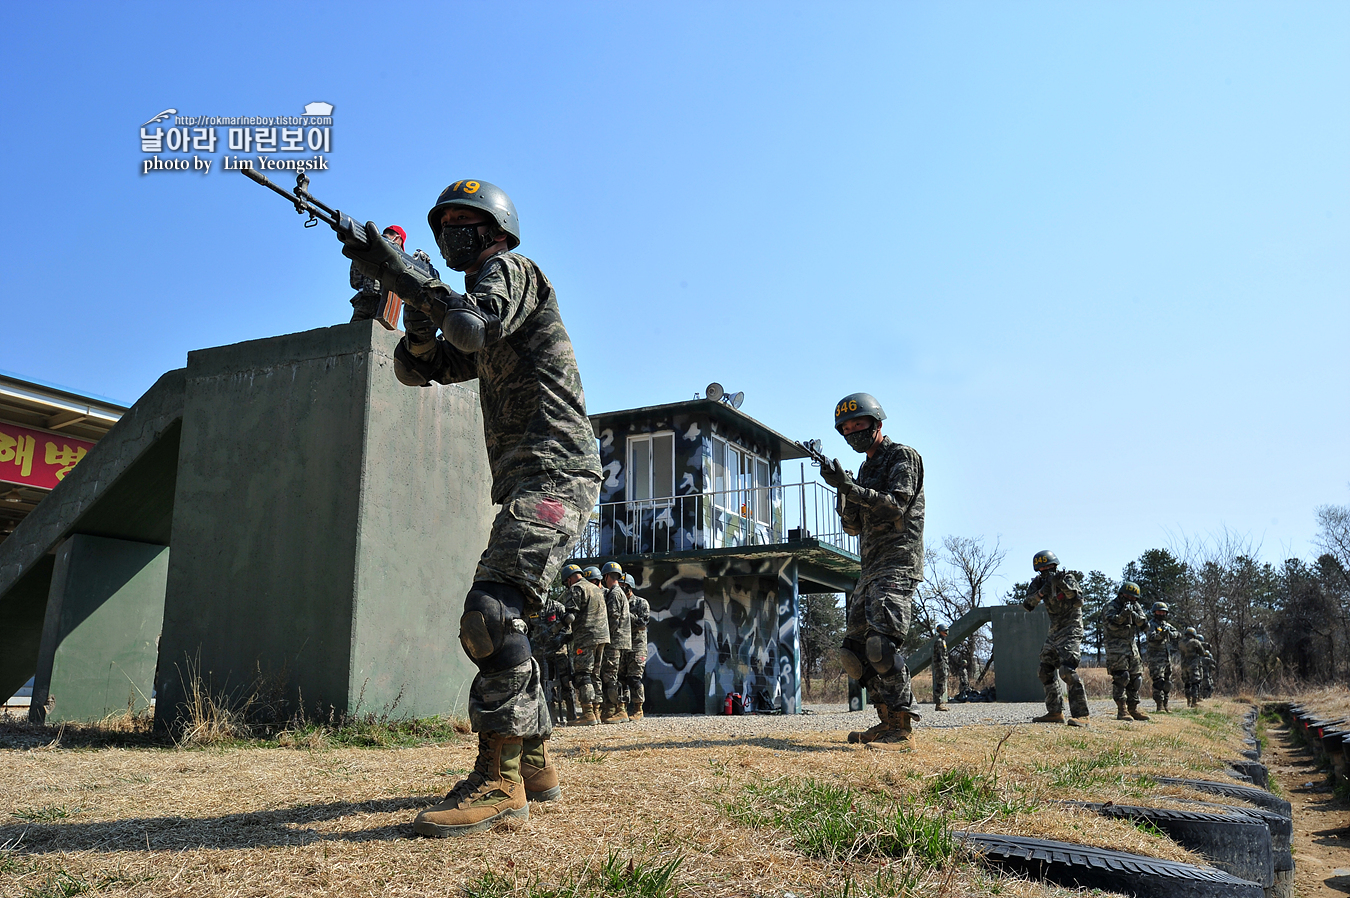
column 1250, row 794
column 1254, row 771
column 1236, row 842
column 1077, row 866
column 1281, row 830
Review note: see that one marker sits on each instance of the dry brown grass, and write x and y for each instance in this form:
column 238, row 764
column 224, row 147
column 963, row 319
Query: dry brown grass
column 242, row 821
column 1330, row 702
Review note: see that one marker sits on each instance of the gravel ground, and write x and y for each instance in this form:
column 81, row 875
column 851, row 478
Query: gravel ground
column 829, row 718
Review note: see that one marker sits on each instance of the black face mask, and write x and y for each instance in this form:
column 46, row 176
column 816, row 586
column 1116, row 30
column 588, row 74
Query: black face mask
column 861, row 440
column 461, row 245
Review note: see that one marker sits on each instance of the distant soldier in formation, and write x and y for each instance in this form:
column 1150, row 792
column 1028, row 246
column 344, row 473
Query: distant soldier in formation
column 1207, row 679
column 590, row 634
column 1192, row 665
column 1063, row 596
column 620, row 641
column 635, row 662
column 884, row 507
column 1162, row 640
column 547, row 630
column 1125, row 620
column 940, row 672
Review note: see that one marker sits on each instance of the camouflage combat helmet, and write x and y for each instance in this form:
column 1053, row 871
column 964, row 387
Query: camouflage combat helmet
column 1200, row 636
column 857, row 405
column 942, row 628
column 612, row 567
column 1130, row 588
column 1190, row 631
column 592, row 573
column 629, row 581
column 1043, row 560
column 569, row 570
column 1160, row 607
column 484, row 197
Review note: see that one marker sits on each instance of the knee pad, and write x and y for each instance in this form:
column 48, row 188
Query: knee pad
column 881, row 654
column 491, row 629
column 851, row 655
column 1069, row 674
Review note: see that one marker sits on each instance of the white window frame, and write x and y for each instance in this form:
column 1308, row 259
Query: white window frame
column 651, row 500
column 740, row 489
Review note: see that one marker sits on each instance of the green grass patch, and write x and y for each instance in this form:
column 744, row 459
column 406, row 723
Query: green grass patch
column 837, row 823
column 45, row 815
column 972, row 795
column 1088, row 769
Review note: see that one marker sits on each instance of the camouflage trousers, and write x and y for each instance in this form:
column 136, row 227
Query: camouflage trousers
column 365, row 306
column 1127, row 674
column 940, row 677
column 1161, row 674
column 531, row 536
column 1059, row 663
column 635, row 668
column 586, row 672
column 1194, row 676
column 610, row 665
column 881, row 605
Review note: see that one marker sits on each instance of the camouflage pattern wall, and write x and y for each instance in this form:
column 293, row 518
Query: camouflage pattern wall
column 719, row 626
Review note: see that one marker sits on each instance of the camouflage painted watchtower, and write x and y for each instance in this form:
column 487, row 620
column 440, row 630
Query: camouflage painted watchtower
column 695, row 507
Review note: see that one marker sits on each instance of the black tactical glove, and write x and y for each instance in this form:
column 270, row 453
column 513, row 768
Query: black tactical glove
column 381, row 260
column 414, row 370
column 835, row 475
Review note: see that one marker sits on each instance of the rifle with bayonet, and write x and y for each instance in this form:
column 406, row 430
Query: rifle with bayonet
column 408, row 275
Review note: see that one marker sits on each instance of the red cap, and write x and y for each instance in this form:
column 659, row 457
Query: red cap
column 402, row 234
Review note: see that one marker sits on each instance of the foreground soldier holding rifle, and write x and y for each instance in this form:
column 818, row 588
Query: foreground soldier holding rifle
column 505, row 330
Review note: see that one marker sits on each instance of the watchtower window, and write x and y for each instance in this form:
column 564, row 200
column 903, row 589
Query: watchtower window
column 651, row 467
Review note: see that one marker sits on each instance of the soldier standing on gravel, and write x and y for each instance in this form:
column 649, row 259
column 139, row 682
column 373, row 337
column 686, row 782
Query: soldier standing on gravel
column 1192, row 665
column 590, row 635
column 635, row 663
column 620, row 641
column 546, row 633
column 1125, row 620
column 506, row 332
column 1162, row 640
column 1063, row 597
column 884, row 506
column 940, row 673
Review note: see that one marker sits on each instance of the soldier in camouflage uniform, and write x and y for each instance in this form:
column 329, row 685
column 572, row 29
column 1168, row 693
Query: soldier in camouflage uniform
column 506, row 332
column 940, row 672
column 884, row 506
column 1192, row 665
column 590, row 635
column 1207, row 678
column 620, row 641
column 1063, row 596
column 635, row 664
column 549, row 631
column 1125, row 620
column 1162, row 640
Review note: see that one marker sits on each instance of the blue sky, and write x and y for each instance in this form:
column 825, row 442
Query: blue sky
column 1092, row 258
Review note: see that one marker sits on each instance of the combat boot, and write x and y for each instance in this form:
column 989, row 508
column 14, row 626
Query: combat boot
column 588, row 716
column 537, row 771
column 1080, row 721
column 867, row 735
column 1165, row 709
column 899, row 732
column 1121, row 713
column 634, row 712
column 612, row 713
column 493, row 791
column 941, row 706
column 1137, row 712
column 1049, row 717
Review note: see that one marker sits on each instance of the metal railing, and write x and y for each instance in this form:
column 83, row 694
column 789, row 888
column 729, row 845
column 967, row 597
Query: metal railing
column 756, row 516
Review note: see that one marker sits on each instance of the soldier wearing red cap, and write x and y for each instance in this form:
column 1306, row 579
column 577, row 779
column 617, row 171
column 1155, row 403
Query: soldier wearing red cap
column 366, row 302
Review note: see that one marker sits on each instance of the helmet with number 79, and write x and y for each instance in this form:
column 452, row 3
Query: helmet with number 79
column 484, row 197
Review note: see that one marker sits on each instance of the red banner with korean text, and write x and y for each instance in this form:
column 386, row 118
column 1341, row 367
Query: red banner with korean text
column 36, row 457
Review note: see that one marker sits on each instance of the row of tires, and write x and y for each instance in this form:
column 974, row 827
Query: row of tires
column 1246, row 834
column 1329, row 738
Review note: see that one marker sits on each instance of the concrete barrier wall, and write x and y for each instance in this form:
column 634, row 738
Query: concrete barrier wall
column 327, row 520
column 1018, row 637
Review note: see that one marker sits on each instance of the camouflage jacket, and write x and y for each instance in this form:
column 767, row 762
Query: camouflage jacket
column 620, row 625
column 1123, row 622
column 939, row 655
column 891, row 540
column 1162, row 639
column 534, row 409
column 590, row 627
column 549, row 629
column 362, row 284
column 1192, row 653
column 1063, row 597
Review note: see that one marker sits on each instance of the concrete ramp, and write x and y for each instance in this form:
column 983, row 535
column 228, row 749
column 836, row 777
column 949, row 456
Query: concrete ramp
column 964, row 628
column 123, row 489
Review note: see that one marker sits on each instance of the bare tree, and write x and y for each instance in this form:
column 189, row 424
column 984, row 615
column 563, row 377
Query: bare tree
column 1334, row 538
column 958, row 578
